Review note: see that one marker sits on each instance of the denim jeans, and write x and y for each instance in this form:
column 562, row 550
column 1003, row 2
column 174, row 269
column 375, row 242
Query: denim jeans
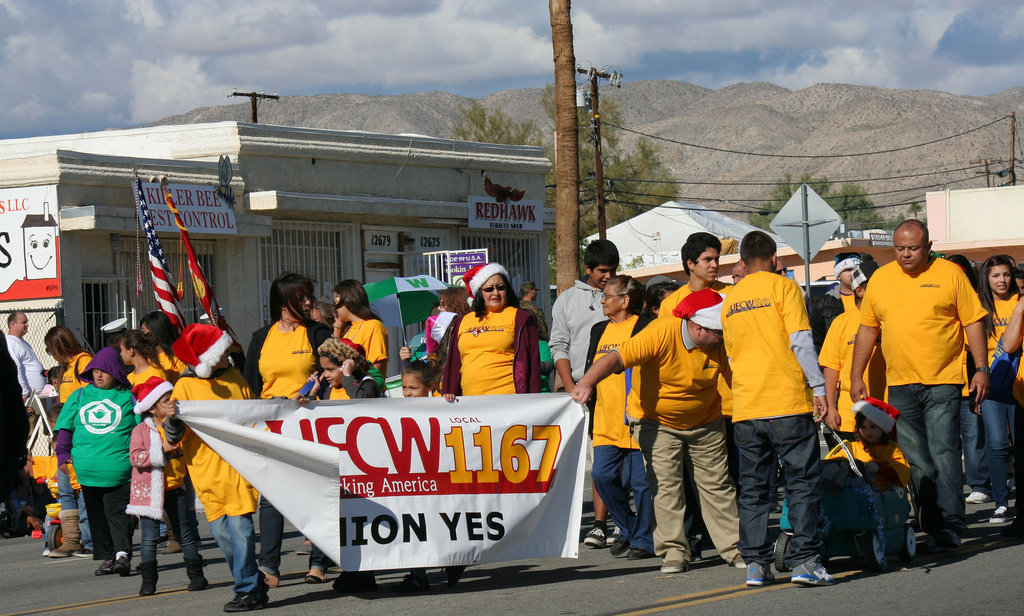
column 183, row 521
column 998, row 419
column 972, row 440
column 611, row 463
column 793, row 440
column 929, row 430
column 271, row 533
column 68, row 502
column 236, row 537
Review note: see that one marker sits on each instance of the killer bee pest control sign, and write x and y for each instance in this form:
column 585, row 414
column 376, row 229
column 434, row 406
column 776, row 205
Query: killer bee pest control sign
column 29, row 243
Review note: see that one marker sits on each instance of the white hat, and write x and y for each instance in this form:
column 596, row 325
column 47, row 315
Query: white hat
column 880, row 413
column 476, row 277
column 703, row 307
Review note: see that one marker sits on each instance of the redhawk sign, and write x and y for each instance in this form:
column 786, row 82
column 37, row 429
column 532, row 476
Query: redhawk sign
column 489, row 213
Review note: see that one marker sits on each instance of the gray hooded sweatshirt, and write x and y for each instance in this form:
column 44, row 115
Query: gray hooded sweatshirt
column 575, row 312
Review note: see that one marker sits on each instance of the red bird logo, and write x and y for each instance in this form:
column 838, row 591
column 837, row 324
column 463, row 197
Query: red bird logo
column 502, row 193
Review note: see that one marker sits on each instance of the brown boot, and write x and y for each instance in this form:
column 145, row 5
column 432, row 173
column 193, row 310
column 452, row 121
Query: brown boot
column 72, row 535
column 172, row 547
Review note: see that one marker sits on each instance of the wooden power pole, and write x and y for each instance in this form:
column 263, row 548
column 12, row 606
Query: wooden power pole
column 255, row 97
column 567, row 160
column 614, row 78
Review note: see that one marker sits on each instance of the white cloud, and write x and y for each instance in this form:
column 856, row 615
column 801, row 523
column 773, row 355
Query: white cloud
column 97, row 64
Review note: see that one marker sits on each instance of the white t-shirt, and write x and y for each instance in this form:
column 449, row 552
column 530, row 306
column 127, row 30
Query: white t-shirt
column 30, row 370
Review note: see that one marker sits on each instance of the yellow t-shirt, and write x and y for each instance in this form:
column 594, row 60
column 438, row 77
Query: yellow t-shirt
column 171, row 365
column 175, row 470
column 849, row 302
column 1001, row 318
column 678, row 386
column 338, row 393
column 141, row 377
column 219, row 487
column 837, row 354
column 888, row 454
column 373, row 336
column 665, row 310
column 69, row 382
column 672, row 299
column 762, row 311
column 487, row 348
column 286, row 362
column 610, row 403
column 921, row 317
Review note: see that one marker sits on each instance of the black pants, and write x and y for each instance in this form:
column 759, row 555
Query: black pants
column 111, row 526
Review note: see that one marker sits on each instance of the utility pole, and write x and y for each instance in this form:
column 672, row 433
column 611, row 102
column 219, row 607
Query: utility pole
column 567, row 159
column 987, row 162
column 1013, row 128
column 255, row 97
column 614, row 79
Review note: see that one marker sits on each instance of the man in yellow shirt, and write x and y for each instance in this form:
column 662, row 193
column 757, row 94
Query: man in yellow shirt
column 680, row 425
column 768, row 340
column 922, row 306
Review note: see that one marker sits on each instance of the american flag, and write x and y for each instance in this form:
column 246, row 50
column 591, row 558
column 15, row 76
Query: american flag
column 163, row 283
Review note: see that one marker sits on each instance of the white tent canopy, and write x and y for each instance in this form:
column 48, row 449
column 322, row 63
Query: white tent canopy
column 654, row 237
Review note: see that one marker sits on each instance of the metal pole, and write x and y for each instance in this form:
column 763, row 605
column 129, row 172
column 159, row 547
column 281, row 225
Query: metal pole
column 807, row 240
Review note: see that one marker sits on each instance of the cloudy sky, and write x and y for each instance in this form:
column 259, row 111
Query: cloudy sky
column 77, row 65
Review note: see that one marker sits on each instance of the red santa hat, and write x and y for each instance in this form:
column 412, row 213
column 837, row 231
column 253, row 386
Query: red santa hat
column 202, row 347
column 477, row 276
column 703, row 307
column 881, row 414
column 149, row 392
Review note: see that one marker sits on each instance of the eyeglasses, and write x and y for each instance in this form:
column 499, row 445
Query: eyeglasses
column 500, row 288
column 717, row 333
column 606, row 296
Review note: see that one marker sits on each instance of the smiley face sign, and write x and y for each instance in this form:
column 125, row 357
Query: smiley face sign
column 29, row 243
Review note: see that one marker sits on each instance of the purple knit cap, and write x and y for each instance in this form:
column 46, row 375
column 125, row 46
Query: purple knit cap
column 108, row 359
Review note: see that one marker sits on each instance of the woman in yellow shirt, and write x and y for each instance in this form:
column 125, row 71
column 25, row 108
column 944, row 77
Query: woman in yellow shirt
column 62, row 345
column 354, row 320
column 998, row 292
column 495, row 348
column 160, row 332
column 139, row 353
column 280, row 359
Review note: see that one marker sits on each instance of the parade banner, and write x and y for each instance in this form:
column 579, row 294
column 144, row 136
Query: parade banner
column 412, row 482
column 29, row 243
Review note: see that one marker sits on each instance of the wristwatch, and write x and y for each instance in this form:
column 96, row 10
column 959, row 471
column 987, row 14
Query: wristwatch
column 984, row 370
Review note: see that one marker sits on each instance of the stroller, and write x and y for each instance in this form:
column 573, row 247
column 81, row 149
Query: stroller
column 857, row 520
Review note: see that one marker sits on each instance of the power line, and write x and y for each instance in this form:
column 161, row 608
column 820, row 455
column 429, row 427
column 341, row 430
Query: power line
column 805, row 156
column 776, row 182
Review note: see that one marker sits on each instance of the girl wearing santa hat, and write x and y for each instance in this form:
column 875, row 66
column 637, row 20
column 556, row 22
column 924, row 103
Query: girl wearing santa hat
column 494, row 349
column 876, row 446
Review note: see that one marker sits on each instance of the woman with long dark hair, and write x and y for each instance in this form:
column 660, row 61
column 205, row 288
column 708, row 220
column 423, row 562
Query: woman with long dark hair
column 160, row 332
column 62, row 345
column 494, row 349
column 281, row 357
column 998, row 292
column 359, row 323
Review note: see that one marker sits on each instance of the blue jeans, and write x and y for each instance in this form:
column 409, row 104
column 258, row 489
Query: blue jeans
column 792, row 439
column 611, row 463
column 929, row 430
column 183, row 521
column 68, row 502
column 972, row 438
column 236, row 537
column 998, row 418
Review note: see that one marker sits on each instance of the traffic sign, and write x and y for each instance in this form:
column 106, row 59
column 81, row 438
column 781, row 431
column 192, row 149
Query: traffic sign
column 806, row 222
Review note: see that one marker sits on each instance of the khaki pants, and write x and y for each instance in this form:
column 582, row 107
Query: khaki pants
column 669, row 454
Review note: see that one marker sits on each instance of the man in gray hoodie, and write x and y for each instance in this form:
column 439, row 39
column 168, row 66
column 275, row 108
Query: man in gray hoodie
column 574, row 313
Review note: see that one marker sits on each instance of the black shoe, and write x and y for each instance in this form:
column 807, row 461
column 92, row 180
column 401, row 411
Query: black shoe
column 83, row 553
column 619, row 548
column 149, row 578
column 247, row 602
column 106, row 568
column 194, row 570
column 410, row 584
column 638, row 554
column 123, row 566
column 454, row 574
column 350, row 582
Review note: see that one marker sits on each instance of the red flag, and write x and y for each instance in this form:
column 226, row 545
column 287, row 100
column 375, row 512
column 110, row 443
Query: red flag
column 203, row 290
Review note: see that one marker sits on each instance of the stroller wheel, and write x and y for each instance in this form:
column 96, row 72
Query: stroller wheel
column 54, row 537
column 874, row 555
column 909, row 548
column 781, row 542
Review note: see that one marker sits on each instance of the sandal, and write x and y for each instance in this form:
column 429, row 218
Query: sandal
column 271, row 580
column 316, row 576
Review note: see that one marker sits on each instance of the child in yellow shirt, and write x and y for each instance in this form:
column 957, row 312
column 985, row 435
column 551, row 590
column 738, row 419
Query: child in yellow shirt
column 875, row 449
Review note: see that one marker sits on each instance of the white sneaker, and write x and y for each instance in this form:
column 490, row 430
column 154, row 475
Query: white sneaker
column 978, row 498
column 1000, row 516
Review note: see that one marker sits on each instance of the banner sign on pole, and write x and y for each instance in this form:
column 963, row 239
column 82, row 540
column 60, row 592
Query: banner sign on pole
column 417, row 482
column 29, row 243
column 203, row 209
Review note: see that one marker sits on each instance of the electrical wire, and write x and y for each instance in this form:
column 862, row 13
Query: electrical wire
column 805, row 156
column 776, row 182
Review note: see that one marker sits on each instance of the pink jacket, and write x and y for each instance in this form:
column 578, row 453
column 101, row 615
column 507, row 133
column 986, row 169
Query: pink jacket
column 146, row 454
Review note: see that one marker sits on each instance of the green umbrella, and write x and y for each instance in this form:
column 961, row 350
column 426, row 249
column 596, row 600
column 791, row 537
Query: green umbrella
column 402, row 301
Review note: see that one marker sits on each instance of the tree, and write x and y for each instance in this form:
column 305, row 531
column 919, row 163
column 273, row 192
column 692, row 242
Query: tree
column 567, row 173
column 851, row 202
column 495, row 126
